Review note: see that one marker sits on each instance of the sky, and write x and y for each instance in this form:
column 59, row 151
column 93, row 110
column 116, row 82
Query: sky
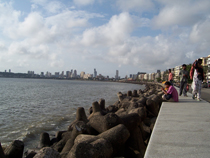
column 126, row 35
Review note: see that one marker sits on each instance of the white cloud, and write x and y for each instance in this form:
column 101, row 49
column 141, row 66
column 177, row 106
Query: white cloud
column 135, row 5
column 183, row 13
column 83, row 2
column 49, row 6
column 118, row 28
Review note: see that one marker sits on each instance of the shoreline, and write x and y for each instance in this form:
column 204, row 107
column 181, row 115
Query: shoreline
column 128, row 102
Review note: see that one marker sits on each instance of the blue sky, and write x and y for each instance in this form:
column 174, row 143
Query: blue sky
column 109, row 35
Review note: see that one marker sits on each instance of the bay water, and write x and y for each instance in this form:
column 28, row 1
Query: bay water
column 29, row 107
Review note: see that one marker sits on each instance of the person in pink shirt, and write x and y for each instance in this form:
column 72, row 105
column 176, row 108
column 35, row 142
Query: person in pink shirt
column 171, row 94
column 170, row 76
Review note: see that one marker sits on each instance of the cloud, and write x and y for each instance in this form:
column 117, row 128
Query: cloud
column 83, row 2
column 135, row 5
column 183, row 13
column 118, row 28
column 49, row 6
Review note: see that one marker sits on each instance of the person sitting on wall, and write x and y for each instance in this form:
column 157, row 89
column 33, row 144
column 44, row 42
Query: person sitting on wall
column 171, row 94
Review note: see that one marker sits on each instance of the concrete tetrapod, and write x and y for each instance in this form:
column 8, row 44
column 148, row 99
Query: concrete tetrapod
column 15, row 149
column 79, row 128
column 152, row 106
column 102, row 123
column 44, row 140
column 105, row 145
column 2, row 155
column 80, row 116
column 47, row 152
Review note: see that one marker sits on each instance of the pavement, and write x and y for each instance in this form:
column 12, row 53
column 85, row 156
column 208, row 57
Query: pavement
column 205, row 94
column 182, row 129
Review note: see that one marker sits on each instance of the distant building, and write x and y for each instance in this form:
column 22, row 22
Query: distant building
column 42, row 74
column 48, row 74
column 146, row 77
column 208, row 71
column 87, row 76
column 75, row 74
column 67, row 74
column 162, row 75
column 82, row 74
column 95, row 73
column 141, row 75
column 177, row 69
column 9, row 70
column 117, row 75
column 153, row 76
column 57, row 74
column 204, row 61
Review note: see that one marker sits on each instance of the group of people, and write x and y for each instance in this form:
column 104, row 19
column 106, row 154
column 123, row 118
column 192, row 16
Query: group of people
column 196, row 74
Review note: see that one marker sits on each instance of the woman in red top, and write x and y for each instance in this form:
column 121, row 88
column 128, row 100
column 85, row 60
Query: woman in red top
column 170, row 77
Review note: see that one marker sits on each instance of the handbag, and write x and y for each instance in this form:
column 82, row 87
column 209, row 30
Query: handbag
column 168, row 96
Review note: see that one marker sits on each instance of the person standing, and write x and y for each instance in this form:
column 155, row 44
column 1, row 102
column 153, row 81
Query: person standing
column 184, row 74
column 170, row 77
column 198, row 78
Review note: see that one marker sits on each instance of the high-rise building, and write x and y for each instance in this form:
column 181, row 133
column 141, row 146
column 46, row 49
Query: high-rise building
column 117, row 75
column 75, row 73
column 67, row 74
column 82, row 74
column 95, row 73
column 57, row 74
column 42, row 74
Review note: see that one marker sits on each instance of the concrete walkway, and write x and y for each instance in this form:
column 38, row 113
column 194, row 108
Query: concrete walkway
column 181, row 130
column 205, row 94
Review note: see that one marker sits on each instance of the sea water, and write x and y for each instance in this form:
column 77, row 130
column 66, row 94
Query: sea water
column 29, row 107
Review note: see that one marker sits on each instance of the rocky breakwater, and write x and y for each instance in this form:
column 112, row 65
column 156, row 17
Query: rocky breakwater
column 119, row 130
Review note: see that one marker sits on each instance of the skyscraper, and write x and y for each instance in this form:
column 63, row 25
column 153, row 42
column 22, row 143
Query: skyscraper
column 95, row 73
column 117, row 75
column 75, row 73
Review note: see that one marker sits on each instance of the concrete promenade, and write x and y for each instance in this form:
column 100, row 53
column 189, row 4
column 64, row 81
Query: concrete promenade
column 182, row 130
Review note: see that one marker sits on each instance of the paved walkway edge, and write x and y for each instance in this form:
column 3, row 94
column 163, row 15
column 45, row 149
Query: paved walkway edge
column 181, row 130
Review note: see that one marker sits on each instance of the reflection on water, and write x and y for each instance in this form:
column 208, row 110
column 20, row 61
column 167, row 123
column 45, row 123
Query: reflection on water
column 30, row 106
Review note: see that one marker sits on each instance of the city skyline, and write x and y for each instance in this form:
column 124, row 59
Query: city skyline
column 129, row 36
